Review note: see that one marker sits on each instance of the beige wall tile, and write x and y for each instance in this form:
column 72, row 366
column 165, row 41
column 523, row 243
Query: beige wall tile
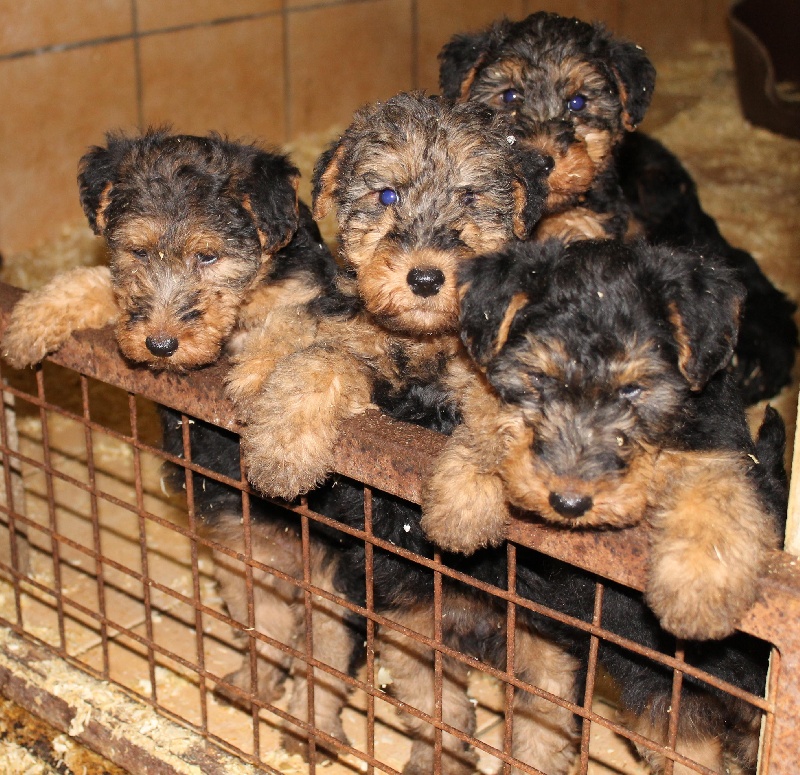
column 226, row 77
column 30, row 24
column 715, row 20
column 54, row 107
column 439, row 20
column 295, row 4
column 606, row 11
column 661, row 27
column 158, row 14
column 343, row 56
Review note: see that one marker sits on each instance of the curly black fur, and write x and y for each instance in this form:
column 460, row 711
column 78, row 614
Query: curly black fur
column 664, row 199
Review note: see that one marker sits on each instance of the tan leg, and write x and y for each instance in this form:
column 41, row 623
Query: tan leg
column 464, row 506
column 277, row 611
column 544, row 733
column 333, row 645
column 411, row 667
column 43, row 320
column 256, row 350
column 694, row 741
column 708, row 546
column 294, row 422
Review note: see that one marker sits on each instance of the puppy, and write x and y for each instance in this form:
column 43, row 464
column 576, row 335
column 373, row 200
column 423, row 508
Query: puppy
column 575, row 92
column 609, row 407
column 663, row 198
column 206, row 237
column 211, row 254
column 418, row 185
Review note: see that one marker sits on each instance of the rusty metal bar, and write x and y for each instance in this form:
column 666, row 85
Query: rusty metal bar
column 392, row 457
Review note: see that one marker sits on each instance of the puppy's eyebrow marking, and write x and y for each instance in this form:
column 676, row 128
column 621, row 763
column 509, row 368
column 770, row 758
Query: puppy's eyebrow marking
column 518, row 301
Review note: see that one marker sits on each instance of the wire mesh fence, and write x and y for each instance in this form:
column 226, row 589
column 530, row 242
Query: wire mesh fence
column 270, row 630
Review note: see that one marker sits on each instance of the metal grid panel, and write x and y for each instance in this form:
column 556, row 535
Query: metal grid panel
column 107, row 574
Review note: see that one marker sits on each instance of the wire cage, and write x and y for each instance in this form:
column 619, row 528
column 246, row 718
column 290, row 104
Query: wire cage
column 114, row 630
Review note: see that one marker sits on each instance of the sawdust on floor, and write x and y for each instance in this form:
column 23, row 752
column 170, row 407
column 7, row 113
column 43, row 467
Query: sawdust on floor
column 748, row 179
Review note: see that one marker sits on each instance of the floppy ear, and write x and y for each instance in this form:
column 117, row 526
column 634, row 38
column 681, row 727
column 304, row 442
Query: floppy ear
column 636, row 78
column 97, row 171
column 702, row 301
column 494, row 289
column 269, row 194
column 459, row 60
column 530, row 191
column 325, row 177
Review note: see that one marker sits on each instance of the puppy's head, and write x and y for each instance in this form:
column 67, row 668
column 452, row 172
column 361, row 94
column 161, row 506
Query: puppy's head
column 191, row 223
column 593, row 350
column 570, row 89
column 419, row 184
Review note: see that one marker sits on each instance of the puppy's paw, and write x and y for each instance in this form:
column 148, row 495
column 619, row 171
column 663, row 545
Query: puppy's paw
column 25, row 344
column 270, row 685
column 43, row 320
column 295, row 420
column 293, row 742
column 709, row 547
column 453, row 762
column 699, row 596
column 464, row 508
column 285, row 460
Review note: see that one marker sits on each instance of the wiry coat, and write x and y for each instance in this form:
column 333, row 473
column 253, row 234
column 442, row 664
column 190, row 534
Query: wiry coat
column 418, row 186
column 574, row 91
column 204, row 236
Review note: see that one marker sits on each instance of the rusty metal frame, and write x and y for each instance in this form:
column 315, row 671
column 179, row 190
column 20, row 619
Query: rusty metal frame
column 391, row 457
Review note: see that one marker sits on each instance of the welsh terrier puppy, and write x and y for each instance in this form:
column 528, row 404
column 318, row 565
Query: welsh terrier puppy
column 419, row 185
column 575, row 92
column 206, row 239
column 609, row 407
column 211, row 254
column 273, row 615
column 664, row 199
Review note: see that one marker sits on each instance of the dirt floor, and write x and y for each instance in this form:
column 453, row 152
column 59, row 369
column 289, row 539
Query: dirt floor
column 749, row 180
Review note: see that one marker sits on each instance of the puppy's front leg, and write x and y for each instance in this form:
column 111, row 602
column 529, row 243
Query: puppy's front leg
column 464, row 501
column 709, row 543
column 44, row 319
column 463, row 504
column 295, row 421
column 255, row 352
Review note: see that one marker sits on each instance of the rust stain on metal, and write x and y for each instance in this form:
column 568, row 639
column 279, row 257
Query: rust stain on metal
column 395, row 457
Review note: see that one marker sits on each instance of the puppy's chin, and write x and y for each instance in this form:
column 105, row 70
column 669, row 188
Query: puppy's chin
column 419, row 323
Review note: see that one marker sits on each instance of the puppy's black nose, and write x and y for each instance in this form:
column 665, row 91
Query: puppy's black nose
column 425, row 282
column 163, row 346
column 569, row 504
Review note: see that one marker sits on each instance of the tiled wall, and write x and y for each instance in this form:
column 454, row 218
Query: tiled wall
column 263, row 69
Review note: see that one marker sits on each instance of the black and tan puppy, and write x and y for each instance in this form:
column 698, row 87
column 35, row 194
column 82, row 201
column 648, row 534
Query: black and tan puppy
column 609, row 407
column 211, row 254
column 571, row 91
column 575, row 92
column 418, row 186
column 206, row 237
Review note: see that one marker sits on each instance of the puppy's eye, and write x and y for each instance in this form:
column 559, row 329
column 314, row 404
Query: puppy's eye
column 468, row 197
column 388, row 197
column 139, row 253
column 206, row 258
column 631, row 391
column 537, row 380
column 576, row 103
column 510, row 95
